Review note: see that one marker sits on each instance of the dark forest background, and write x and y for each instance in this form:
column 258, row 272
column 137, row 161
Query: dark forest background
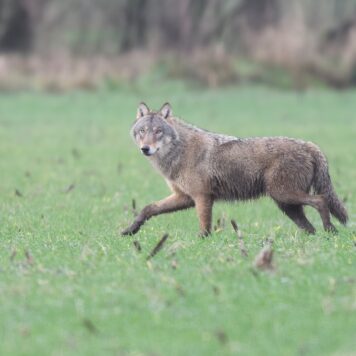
column 59, row 43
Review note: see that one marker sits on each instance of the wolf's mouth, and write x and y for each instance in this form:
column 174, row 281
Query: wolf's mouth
column 148, row 153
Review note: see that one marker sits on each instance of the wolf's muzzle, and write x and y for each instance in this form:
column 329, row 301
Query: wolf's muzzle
column 145, row 150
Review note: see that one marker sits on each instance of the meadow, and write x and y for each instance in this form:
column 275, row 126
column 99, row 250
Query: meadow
column 71, row 285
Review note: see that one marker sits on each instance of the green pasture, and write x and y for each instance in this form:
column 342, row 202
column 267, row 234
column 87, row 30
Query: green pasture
column 71, row 285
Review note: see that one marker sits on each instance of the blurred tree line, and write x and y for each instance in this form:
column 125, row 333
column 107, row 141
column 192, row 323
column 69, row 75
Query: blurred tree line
column 85, row 26
column 297, row 33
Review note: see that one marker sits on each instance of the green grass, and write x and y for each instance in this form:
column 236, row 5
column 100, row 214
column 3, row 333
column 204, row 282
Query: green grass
column 84, row 290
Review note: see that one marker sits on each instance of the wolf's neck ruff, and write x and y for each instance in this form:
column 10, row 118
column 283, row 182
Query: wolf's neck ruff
column 169, row 162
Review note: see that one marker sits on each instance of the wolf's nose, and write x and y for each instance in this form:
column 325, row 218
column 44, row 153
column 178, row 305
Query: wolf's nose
column 145, row 149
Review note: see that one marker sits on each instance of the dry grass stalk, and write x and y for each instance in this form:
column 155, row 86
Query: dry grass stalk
column 242, row 247
column 158, row 247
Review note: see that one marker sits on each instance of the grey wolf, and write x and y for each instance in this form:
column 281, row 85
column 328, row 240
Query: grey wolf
column 202, row 167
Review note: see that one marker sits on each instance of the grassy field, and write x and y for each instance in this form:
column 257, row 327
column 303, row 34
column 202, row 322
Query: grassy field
column 69, row 284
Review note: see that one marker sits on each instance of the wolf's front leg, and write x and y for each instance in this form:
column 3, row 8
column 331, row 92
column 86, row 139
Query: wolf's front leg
column 204, row 206
column 172, row 203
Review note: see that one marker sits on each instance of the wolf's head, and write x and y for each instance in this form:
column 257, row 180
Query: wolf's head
column 151, row 130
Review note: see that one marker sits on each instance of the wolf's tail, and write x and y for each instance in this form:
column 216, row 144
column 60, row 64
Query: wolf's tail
column 322, row 185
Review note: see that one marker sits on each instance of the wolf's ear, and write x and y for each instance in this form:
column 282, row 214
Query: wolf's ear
column 142, row 110
column 166, row 110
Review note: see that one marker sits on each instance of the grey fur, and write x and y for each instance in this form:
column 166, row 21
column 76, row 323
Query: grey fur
column 201, row 167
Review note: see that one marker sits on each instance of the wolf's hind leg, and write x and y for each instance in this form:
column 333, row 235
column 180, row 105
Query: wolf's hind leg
column 170, row 204
column 318, row 202
column 296, row 214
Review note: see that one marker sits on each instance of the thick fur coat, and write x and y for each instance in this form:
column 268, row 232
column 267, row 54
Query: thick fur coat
column 201, row 167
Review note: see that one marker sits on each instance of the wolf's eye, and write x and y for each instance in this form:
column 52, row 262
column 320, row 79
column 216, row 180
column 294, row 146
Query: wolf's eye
column 158, row 131
column 142, row 131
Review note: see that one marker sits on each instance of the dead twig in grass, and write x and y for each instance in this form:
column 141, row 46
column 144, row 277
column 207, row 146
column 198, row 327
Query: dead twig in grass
column 89, row 325
column 119, row 168
column 216, row 290
column 220, row 224
column 242, row 247
column 13, row 255
column 158, row 247
column 180, row 290
column 264, row 259
column 134, row 210
column 137, row 246
column 18, row 193
column 75, row 153
column 221, row 336
column 69, row 188
column 29, row 257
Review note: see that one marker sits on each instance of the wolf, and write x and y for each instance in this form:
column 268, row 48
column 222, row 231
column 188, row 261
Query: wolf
column 202, row 167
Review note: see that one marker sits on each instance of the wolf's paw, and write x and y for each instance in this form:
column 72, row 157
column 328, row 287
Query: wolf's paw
column 331, row 228
column 127, row 232
column 309, row 230
column 203, row 234
column 131, row 230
